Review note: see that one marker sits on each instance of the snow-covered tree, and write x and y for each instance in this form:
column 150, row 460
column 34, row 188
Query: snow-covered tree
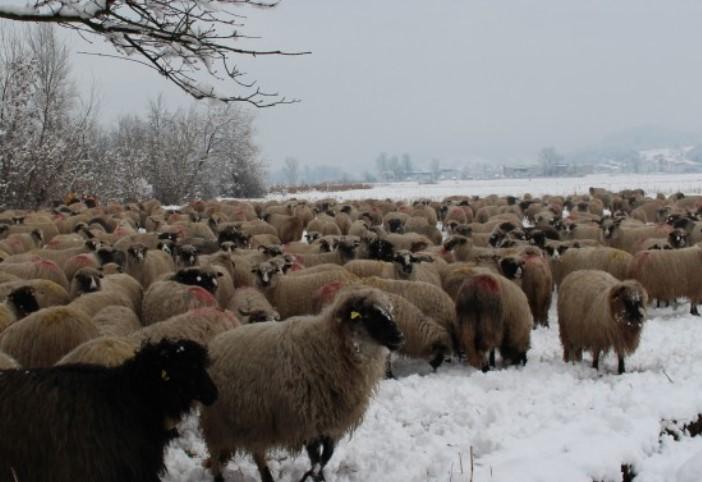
column 190, row 42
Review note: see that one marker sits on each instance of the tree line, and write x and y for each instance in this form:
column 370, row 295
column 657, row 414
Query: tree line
column 51, row 142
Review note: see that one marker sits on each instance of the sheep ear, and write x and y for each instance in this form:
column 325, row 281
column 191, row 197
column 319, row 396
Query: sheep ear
column 418, row 246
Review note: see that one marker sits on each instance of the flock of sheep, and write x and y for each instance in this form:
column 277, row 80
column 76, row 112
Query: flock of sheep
column 116, row 320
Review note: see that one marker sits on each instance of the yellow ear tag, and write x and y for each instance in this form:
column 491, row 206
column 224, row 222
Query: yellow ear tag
column 355, row 314
column 164, row 375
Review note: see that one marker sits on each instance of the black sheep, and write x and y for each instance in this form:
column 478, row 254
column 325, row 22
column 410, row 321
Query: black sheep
column 91, row 423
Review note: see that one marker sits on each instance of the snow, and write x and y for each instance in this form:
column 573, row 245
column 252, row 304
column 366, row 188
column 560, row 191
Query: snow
column 547, row 421
column 652, row 184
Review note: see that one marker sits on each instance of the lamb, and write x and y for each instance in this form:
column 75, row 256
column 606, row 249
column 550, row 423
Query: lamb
column 492, row 312
column 302, row 383
column 108, row 351
column 199, row 325
column 43, row 337
column 597, row 312
column 251, row 306
column 115, row 320
column 168, row 298
column 290, row 295
column 614, row 261
column 123, row 415
column 669, row 274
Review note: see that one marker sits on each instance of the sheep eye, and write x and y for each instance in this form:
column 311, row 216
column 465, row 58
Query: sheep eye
column 199, row 278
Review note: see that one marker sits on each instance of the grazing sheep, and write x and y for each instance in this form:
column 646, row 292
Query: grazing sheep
column 251, row 306
column 43, row 337
column 109, row 351
column 669, row 274
column 597, row 312
column 164, row 299
column 613, row 261
column 7, row 362
column 492, row 312
column 305, row 382
column 115, row 320
column 93, row 423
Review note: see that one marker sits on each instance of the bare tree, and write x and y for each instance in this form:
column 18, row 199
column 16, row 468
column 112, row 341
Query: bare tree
column 179, row 39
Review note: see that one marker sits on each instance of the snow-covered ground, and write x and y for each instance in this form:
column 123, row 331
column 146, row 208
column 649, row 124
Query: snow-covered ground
column 652, row 184
column 548, row 421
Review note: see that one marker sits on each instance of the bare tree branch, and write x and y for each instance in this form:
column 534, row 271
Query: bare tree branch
column 183, row 40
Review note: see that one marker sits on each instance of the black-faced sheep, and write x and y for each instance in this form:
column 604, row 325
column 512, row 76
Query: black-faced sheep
column 94, row 423
column 291, row 295
column 301, row 383
column 147, row 265
column 597, row 312
column 19, row 303
column 492, row 313
column 43, row 337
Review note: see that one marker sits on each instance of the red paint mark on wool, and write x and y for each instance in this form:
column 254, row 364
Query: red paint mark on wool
column 487, row 283
column 83, row 259
column 48, row 265
column 328, row 292
column 202, row 295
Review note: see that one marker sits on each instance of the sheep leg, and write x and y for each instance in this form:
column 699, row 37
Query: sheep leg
column 328, row 446
column 436, row 361
column 263, row 469
column 658, row 303
column 693, row 309
column 492, row 358
column 596, row 360
column 621, row 368
column 388, row 369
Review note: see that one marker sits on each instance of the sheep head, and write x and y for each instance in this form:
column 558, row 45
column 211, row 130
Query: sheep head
column 628, row 302
column 206, row 279
column 88, row 280
column 366, row 313
column 24, row 301
column 137, row 252
column 267, row 274
column 512, row 267
column 381, row 249
column 173, row 374
column 187, row 254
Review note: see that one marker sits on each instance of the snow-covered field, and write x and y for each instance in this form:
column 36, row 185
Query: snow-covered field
column 652, row 184
column 545, row 422
column 548, row 421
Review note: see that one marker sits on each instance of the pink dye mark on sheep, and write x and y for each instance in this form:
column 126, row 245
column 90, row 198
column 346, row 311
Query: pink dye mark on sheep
column 48, row 265
column 201, row 295
column 328, row 292
column 487, row 283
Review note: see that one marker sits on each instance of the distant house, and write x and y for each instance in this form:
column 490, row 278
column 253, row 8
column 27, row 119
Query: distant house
column 520, row 171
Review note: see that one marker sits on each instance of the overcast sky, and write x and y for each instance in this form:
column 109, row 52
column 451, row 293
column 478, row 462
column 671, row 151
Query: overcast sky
column 455, row 79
